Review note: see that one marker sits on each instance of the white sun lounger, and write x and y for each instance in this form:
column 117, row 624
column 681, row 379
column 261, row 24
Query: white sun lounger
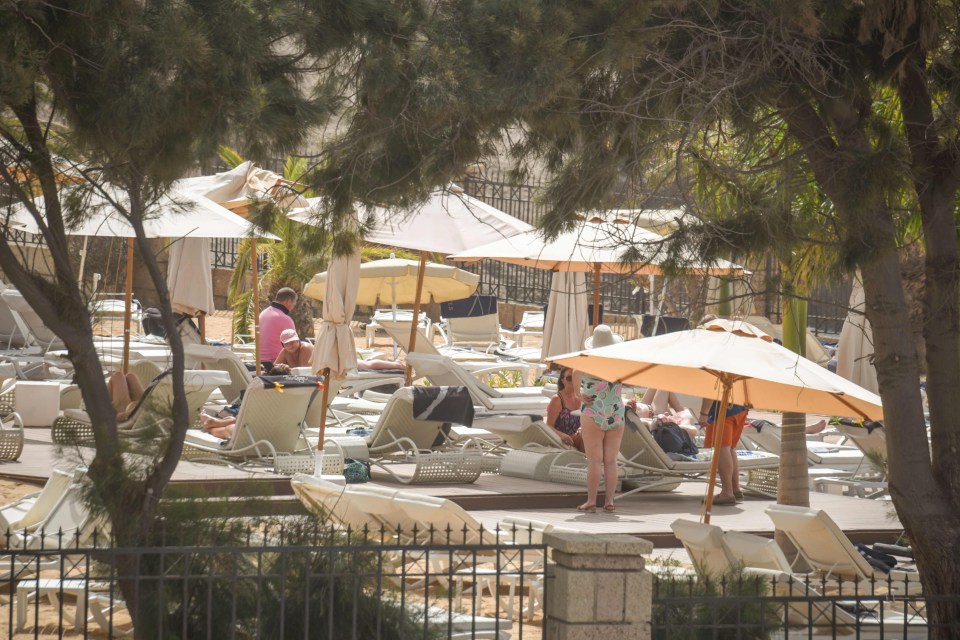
column 829, row 552
column 269, row 429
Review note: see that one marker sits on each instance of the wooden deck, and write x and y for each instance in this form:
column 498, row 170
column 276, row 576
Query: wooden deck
column 494, row 497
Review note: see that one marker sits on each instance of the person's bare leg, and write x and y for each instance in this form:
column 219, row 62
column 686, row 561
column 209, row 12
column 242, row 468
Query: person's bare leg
column 593, row 448
column 134, row 387
column 674, row 402
column 726, row 471
column 816, row 427
column 735, row 475
column 611, row 449
column 661, row 400
column 119, row 393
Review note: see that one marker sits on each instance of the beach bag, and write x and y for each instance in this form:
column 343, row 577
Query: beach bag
column 356, row 471
column 673, row 439
column 878, row 560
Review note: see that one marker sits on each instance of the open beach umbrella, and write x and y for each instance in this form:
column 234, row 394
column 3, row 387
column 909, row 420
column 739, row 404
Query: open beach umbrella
column 594, row 246
column 565, row 325
column 177, row 214
column 394, row 281
column 855, row 350
column 738, row 366
column 449, row 221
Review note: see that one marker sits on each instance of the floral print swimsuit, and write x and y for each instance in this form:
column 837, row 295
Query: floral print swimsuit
column 603, row 402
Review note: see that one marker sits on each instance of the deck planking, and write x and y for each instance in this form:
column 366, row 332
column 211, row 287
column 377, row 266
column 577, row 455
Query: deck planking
column 493, row 497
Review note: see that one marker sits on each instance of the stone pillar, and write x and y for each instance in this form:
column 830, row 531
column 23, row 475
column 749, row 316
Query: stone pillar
column 597, row 587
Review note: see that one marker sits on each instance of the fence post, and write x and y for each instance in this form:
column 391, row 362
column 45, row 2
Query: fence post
column 597, row 587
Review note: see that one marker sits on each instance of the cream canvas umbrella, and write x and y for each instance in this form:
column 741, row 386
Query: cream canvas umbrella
column 189, row 277
column 855, row 350
column 739, row 367
column 565, row 325
column 177, row 214
column 596, row 247
column 449, row 221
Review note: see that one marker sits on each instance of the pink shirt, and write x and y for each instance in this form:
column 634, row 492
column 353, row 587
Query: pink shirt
column 273, row 320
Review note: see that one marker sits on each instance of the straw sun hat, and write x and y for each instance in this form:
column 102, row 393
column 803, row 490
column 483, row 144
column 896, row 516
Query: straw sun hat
column 602, row 336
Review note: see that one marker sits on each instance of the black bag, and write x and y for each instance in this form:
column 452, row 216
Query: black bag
column 878, row 560
column 673, row 439
column 356, row 471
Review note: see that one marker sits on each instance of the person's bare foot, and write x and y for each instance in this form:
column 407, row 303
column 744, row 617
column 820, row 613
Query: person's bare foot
column 816, row 428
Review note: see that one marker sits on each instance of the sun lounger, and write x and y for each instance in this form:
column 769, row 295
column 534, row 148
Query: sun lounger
column 152, row 415
column 530, row 325
column 29, row 322
column 94, row 602
column 646, row 461
column 11, row 437
column 400, row 315
column 816, row 616
column 829, row 552
column 269, row 428
column 443, row 371
column 11, row 334
column 845, row 459
column 716, row 553
column 55, row 517
column 400, row 439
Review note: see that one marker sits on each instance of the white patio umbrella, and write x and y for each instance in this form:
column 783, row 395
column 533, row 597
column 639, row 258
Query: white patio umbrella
column 189, row 277
column 566, row 324
column 448, row 222
column 177, row 214
column 855, row 350
column 335, row 353
column 592, row 247
column 738, row 366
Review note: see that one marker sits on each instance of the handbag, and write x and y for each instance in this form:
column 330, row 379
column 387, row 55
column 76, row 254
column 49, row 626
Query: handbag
column 356, row 471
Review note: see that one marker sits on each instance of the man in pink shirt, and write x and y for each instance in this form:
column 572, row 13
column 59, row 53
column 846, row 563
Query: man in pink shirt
column 273, row 321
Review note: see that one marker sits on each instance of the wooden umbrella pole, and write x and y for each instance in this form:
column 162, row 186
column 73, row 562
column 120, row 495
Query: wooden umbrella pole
column 256, row 304
column 719, row 423
column 323, row 407
column 416, row 313
column 128, row 304
column 202, row 322
column 596, row 295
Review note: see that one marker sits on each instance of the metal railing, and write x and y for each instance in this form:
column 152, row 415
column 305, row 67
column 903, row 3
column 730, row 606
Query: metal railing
column 283, row 582
column 777, row 605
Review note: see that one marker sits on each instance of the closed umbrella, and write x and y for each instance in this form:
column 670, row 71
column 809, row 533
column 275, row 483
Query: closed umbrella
column 739, row 366
column 855, row 350
column 189, row 278
column 335, row 353
column 565, row 325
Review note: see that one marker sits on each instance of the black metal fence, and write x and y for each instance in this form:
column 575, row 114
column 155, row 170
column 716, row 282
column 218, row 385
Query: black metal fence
column 768, row 604
column 283, row 582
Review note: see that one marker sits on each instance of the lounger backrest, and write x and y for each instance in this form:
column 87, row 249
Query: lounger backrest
column 704, row 544
column 639, row 446
column 223, row 359
column 65, row 524
column 873, row 442
column 399, row 332
column 316, row 407
column 31, row 321
column 11, row 334
column 765, row 439
column 479, row 330
column 52, row 492
column 379, row 503
column 327, row 500
column 397, row 422
column 820, row 541
column 755, row 551
column 443, row 371
column 443, row 517
column 144, row 370
column 271, row 415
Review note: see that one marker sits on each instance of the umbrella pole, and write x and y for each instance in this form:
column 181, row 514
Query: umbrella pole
column 202, row 322
column 720, row 422
column 596, row 295
column 416, row 313
column 323, row 408
column 256, row 305
column 128, row 303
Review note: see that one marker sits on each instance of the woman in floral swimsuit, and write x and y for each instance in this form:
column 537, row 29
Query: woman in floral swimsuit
column 601, row 426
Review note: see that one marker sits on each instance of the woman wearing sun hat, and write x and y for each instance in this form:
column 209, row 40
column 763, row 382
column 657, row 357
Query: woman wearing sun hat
column 293, row 354
column 601, row 426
